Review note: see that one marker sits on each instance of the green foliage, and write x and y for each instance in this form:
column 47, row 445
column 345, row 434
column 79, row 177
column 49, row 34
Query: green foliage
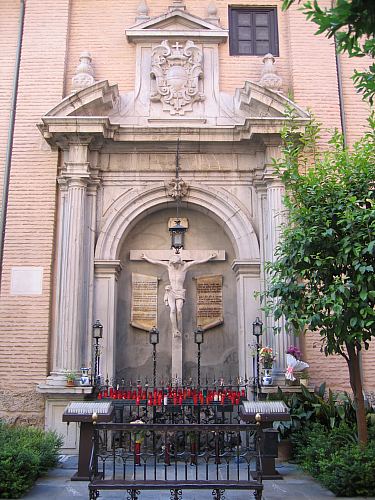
column 352, row 23
column 323, row 278
column 307, row 409
column 25, row 454
column 333, row 457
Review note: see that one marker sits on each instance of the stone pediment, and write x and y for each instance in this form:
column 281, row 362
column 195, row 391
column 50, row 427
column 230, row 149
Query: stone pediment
column 177, row 24
column 99, row 99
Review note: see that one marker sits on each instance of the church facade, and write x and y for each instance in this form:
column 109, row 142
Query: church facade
column 129, row 116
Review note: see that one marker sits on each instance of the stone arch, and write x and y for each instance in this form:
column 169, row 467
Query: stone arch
column 218, row 204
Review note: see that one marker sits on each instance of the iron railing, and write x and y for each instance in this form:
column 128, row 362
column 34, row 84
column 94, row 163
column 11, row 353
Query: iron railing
column 174, row 457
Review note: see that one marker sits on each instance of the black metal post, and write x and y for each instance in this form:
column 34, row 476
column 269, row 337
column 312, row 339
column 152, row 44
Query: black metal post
column 259, row 387
column 154, row 363
column 257, row 332
column 97, row 361
column 199, row 365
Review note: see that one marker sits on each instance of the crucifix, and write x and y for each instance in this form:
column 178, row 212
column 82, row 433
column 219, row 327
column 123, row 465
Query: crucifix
column 177, row 265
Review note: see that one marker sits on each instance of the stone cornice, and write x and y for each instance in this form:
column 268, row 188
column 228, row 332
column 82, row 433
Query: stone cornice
column 108, row 267
column 246, row 267
column 57, row 130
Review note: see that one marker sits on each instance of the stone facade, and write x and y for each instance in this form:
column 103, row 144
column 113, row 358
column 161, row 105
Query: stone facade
column 92, row 182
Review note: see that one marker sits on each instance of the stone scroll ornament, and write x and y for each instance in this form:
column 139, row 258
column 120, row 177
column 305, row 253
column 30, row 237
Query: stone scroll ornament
column 176, row 69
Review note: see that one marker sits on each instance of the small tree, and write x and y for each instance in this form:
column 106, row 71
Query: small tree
column 323, row 278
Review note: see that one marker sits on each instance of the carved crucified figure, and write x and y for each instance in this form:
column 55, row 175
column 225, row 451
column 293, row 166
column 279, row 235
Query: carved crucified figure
column 174, row 296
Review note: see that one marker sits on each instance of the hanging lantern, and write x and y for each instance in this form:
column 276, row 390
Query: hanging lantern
column 177, row 235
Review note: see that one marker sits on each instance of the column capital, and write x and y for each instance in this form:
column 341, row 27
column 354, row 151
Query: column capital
column 246, row 267
column 74, row 180
column 108, row 267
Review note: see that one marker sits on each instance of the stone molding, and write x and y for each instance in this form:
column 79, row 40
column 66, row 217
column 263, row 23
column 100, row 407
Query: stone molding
column 108, row 267
column 176, row 24
column 248, row 267
column 221, row 207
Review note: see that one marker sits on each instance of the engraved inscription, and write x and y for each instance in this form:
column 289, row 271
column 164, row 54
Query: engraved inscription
column 209, row 301
column 144, row 309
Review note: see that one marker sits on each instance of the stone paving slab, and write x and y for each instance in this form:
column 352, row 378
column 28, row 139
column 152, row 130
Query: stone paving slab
column 296, row 485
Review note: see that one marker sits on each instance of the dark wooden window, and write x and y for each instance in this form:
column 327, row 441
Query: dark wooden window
column 253, row 31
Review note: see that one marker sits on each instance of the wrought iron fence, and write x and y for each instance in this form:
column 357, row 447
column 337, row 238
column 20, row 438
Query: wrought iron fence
column 140, row 456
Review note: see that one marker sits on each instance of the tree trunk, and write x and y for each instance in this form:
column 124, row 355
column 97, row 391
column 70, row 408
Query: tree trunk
column 356, row 385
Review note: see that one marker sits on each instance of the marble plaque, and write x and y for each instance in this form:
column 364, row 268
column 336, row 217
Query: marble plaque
column 209, row 301
column 26, row 281
column 144, row 310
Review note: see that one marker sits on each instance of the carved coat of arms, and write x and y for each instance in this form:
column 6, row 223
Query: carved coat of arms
column 176, row 69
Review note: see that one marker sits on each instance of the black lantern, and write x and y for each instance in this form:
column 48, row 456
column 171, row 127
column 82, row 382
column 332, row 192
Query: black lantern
column 199, row 335
column 97, row 330
column 257, row 328
column 177, row 232
column 154, row 336
column 97, row 333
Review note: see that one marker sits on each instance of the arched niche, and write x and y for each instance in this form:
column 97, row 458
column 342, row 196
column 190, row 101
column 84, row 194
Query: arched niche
column 220, row 348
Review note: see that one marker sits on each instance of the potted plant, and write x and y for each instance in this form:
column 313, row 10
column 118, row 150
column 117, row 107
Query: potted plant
column 70, row 378
column 304, row 378
column 267, row 357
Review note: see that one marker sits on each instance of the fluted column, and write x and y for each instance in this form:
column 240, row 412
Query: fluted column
column 71, row 324
column 70, row 349
column 275, row 217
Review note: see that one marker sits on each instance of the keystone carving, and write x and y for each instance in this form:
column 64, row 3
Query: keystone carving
column 177, row 188
column 176, row 70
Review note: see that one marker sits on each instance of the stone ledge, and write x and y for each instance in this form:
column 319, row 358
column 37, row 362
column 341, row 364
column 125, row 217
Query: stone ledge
column 57, row 391
column 285, row 388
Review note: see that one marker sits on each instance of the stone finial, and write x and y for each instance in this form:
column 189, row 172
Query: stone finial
column 177, row 5
column 212, row 16
column 269, row 78
column 142, row 11
column 84, row 76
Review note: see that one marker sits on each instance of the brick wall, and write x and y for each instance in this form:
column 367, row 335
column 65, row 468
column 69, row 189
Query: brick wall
column 25, row 321
column 8, row 33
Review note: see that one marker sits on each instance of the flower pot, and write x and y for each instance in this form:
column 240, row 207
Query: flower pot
column 267, row 377
column 70, row 383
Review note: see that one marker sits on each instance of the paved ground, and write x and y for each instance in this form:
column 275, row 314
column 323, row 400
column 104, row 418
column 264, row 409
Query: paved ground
column 295, row 486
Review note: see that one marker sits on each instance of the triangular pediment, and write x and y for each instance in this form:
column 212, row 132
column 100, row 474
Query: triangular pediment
column 176, row 24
